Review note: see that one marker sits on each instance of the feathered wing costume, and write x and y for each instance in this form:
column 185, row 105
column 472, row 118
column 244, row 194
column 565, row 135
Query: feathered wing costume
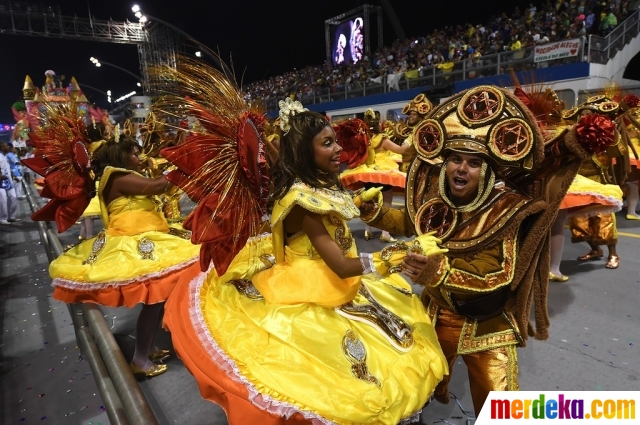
column 222, row 167
column 62, row 157
column 353, row 136
column 272, row 334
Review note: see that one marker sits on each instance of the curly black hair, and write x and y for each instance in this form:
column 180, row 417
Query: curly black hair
column 114, row 154
column 296, row 159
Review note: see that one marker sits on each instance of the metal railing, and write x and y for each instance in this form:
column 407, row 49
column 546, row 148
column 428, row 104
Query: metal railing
column 466, row 69
column 601, row 49
column 123, row 399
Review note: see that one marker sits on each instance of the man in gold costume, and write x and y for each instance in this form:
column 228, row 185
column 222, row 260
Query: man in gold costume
column 600, row 229
column 489, row 184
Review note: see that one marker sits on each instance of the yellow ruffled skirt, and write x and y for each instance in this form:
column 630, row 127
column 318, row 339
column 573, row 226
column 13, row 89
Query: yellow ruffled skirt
column 124, row 270
column 271, row 363
column 588, row 198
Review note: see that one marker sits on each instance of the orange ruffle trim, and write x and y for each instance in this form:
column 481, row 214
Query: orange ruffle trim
column 149, row 291
column 571, row 202
column 357, row 180
column 232, row 396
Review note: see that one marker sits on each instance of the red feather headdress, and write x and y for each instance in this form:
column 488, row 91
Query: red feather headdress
column 62, row 157
column 221, row 166
column 353, row 136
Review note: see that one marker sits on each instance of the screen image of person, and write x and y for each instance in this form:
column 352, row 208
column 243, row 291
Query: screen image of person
column 341, row 40
column 338, row 57
column 356, row 41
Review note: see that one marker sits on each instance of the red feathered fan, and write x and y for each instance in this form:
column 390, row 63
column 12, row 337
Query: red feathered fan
column 352, row 135
column 62, row 157
column 222, row 167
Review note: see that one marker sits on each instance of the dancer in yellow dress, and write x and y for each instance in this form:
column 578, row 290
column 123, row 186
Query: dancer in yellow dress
column 298, row 327
column 380, row 167
column 600, row 229
column 136, row 258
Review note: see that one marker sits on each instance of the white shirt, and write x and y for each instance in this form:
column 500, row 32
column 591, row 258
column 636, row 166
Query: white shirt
column 5, row 169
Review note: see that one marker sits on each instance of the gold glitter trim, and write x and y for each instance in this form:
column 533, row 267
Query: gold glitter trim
column 355, row 352
column 184, row 234
column 343, row 238
column 246, row 288
column 460, row 279
column 98, row 245
column 470, row 343
column 512, row 368
column 392, row 326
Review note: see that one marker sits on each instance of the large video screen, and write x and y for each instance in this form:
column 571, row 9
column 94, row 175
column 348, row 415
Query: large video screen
column 348, row 42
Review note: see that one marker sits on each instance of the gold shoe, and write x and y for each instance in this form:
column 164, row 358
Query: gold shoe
column 555, row 278
column 613, row 263
column 160, row 356
column 633, row 217
column 367, row 235
column 591, row 255
column 154, row 370
column 388, row 239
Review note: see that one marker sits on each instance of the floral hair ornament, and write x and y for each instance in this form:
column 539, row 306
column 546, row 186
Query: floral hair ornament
column 116, row 133
column 288, row 107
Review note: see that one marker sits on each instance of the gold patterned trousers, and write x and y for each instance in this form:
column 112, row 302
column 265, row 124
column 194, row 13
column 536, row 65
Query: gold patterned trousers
column 598, row 230
column 490, row 370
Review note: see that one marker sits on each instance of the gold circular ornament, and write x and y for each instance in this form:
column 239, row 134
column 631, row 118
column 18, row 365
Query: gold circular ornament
column 480, row 106
column 511, row 139
column 436, row 216
column 405, row 109
column 596, row 98
column 419, row 98
column 428, row 138
column 423, row 108
column 608, row 107
column 569, row 113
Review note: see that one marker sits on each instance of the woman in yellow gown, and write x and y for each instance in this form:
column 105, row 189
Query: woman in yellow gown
column 300, row 328
column 380, row 168
column 135, row 259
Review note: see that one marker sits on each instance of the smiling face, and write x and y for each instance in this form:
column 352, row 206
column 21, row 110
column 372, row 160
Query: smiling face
column 327, row 151
column 413, row 119
column 463, row 177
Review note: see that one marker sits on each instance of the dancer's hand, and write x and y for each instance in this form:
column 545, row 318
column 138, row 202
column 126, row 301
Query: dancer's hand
column 374, row 194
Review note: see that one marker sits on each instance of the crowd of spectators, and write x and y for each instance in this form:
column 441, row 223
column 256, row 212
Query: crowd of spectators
column 415, row 57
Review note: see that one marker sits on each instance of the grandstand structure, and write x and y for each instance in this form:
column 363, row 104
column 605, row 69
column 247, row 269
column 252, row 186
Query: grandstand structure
column 597, row 62
column 157, row 44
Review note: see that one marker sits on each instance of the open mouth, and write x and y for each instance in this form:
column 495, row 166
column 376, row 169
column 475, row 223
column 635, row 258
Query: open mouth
column 459, row 182
column 335, row 160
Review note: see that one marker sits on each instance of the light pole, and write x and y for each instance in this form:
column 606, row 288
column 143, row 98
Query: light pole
column 144, row 18
column 99, row 63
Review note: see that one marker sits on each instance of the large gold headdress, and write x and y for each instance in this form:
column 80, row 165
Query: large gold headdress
column 420, row 104
column 599, row 104
column 486, row 121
